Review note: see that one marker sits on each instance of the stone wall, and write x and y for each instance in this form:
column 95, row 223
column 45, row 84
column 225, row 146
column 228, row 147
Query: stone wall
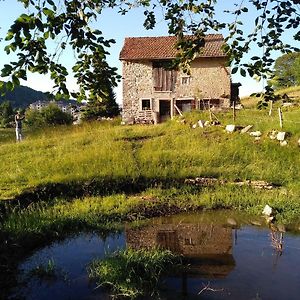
column 209, row 79
column 137, row 84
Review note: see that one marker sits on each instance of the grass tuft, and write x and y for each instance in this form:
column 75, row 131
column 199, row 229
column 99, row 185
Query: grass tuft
column 132, row 273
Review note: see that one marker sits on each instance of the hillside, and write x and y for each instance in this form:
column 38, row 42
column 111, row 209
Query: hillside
column 292, row 92
column 22, row 96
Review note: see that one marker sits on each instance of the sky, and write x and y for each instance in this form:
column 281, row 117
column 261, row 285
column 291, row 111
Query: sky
column 113, row 25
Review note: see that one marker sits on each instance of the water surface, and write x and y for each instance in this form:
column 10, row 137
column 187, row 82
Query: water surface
column 228, row 258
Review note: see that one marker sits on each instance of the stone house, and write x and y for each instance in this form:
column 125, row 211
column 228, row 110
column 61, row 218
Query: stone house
column 153, row 92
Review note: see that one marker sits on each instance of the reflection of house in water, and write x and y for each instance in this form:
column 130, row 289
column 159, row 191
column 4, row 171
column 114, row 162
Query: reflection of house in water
column 207, row 248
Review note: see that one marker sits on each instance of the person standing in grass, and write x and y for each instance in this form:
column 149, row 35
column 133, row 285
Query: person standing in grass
column 18, row 121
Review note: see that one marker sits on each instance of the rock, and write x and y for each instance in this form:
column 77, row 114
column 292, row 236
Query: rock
column 299, row 142
column 232, row 222
column 255, row 223
column 206, row 181
column 280, row 136
column 230, row 128
column 203, row 181
column 239, row 106
column 246, row 129
column 215, row 123
column 256, row 133
column 190, row 181
column 194, row 126
column 288, row 104
column 273, row 134
column 260, row 184
column 201, row 123
column 283, row 143
column 268, row 211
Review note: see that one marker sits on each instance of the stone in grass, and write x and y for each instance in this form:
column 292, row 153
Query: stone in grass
column 201, row 123
column 194, row 126
column 268, row 211
column 283, row 143
column 273, row 134
column 255, row 223
column 256, row 133
column 232, row 222
column 299, row 142
column 246, row 129
column 280, row 136
column 230, row 128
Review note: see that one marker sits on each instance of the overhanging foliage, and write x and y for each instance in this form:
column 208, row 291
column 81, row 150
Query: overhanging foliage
column 69, row 22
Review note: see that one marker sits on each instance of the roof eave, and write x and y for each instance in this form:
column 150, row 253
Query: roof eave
column 168, row 58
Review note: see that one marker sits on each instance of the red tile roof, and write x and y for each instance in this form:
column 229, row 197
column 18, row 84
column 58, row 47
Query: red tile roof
column 164, row 47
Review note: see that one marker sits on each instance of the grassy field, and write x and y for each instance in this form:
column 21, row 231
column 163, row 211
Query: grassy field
column 98, row 159
column 98, row 175
column 169, row 151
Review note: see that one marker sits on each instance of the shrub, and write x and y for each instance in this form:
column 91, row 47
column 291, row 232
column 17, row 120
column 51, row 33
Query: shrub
column 50, row 115
column 34, row 118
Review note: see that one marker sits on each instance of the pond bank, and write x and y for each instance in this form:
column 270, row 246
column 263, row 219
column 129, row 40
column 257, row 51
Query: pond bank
column 25, row 229
column 223, row 252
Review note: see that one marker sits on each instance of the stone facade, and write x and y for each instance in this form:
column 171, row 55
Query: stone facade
column 209, row 83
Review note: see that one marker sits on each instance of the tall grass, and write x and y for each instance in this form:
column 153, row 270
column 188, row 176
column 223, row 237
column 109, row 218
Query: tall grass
column 132, row 273
column 171, row 151
column 44, row 220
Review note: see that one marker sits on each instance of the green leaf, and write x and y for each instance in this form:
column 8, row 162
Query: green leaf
column 15, row 80
column 9, row 35
column 234, row 70
column 39, row 24
column 48, row 12
column 243, row 72
column 46, row 35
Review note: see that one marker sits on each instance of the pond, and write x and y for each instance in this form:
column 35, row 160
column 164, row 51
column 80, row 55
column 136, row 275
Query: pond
column 229, row 256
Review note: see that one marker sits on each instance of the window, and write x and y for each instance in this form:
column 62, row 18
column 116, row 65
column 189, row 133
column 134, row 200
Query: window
column 146, row 104
column 164, row 78
column 185, row 105
column 185, row 80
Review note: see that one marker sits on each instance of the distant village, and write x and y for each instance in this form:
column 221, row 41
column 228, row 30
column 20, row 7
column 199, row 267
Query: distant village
column 68, row 106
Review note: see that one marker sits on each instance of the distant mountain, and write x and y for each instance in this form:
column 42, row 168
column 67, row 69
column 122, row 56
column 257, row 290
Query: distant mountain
column 22, row 96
